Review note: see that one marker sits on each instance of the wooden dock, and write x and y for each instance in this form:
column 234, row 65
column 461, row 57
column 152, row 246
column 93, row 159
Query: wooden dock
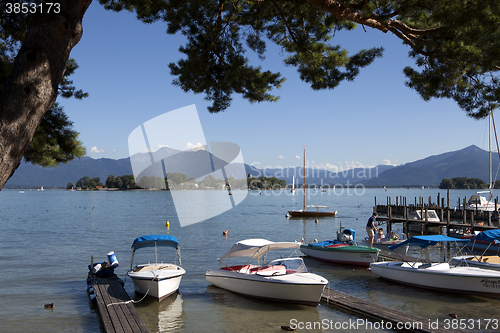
column 392, row 319
column 117, row 313
column 453, row 219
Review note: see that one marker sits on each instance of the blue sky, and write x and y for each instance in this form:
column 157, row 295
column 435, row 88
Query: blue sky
column 374, row 120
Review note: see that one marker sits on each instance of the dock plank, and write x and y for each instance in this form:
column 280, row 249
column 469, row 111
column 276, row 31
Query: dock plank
column 378, row 312
column 116, row 310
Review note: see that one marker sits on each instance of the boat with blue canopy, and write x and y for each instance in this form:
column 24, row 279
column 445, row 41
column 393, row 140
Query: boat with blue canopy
column 488, row 241
column 158, row 279
column 439, row 275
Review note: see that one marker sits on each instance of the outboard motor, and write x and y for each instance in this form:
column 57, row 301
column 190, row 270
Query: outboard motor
column 347, row 235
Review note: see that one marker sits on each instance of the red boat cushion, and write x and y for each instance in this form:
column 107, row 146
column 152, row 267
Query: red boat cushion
column 337, row 245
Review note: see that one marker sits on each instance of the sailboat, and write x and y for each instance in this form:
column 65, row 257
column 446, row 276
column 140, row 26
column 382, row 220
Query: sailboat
column 479, row 202
column 306, row 210
column 293, row 184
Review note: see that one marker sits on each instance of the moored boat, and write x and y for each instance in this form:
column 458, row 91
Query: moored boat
column 306, row 210
column 343, row 250
column 439, row 276
column 157, row 280
column 487, row 241
column 284, row 280
column 481, row 261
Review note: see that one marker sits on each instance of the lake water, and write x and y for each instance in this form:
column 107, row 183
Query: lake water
column 48, row 238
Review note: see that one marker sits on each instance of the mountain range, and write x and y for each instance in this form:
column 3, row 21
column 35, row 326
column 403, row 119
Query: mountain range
column 470, row 162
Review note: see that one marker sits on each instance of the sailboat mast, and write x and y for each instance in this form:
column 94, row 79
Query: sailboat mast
column 491, row 176
column 304, row 178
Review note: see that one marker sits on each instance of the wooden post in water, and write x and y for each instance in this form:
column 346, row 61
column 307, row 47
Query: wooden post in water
column 448, row 222
column 472, row 220
column 405, row 224
column 426, row 221
column 438, row 200
column 389, row 223
column 464, row 212
column 448, row 197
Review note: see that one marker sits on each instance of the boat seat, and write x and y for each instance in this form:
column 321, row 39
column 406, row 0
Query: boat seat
column 239, row 268
column 438, row 266
column 272, row 270
column 491, row 259
column 405, row 264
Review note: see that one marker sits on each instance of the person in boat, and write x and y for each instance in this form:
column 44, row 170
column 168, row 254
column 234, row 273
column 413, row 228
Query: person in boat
column 393, row 236
column 380, row 237
column 371, row 228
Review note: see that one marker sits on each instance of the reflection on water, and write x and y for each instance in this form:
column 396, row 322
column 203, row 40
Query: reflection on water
column 164, row 316
column 239, row 313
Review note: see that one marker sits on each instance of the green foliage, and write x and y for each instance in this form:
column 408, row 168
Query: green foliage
column 460, row 60
column 87, row 183
column 266, row 183
column 455, row 45
column 125, row 182
column 70, row 186
column 54, row 141
column 219, row 34
column 463, row 183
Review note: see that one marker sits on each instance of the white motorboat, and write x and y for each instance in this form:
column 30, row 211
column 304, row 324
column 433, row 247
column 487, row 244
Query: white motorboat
column 481, row 261
column 284, row 280
column 157, row 280
column 480, row 203
column 423, row 214
column 439, row 276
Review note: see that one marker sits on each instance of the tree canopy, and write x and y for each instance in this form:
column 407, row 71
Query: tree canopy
column 54, row 140
column 455, row 45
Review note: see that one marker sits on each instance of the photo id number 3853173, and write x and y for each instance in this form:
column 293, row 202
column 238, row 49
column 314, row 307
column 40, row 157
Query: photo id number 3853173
column 31, row 8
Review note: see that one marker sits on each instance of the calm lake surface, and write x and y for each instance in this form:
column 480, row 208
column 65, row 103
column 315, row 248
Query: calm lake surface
column 48, row 238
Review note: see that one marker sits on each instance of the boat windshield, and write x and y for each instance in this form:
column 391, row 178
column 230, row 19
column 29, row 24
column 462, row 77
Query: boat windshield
column 294, row 264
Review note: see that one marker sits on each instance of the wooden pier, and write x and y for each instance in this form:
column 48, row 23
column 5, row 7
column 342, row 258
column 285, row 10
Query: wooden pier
column 117, row 313
column 392, row 319
column 454, row 220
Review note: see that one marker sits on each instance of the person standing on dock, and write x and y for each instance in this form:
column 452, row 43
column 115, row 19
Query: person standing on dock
column 371, row 228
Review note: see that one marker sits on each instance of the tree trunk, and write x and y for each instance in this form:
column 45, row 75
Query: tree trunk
column 31, row 88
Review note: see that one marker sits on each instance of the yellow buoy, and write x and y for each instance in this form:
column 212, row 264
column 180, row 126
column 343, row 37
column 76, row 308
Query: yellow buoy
column 167, row 224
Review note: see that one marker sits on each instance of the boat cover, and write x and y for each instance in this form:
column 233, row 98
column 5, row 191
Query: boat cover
column 155, row 240
column 256, row 248
column 488, row 236
column 428, row 240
